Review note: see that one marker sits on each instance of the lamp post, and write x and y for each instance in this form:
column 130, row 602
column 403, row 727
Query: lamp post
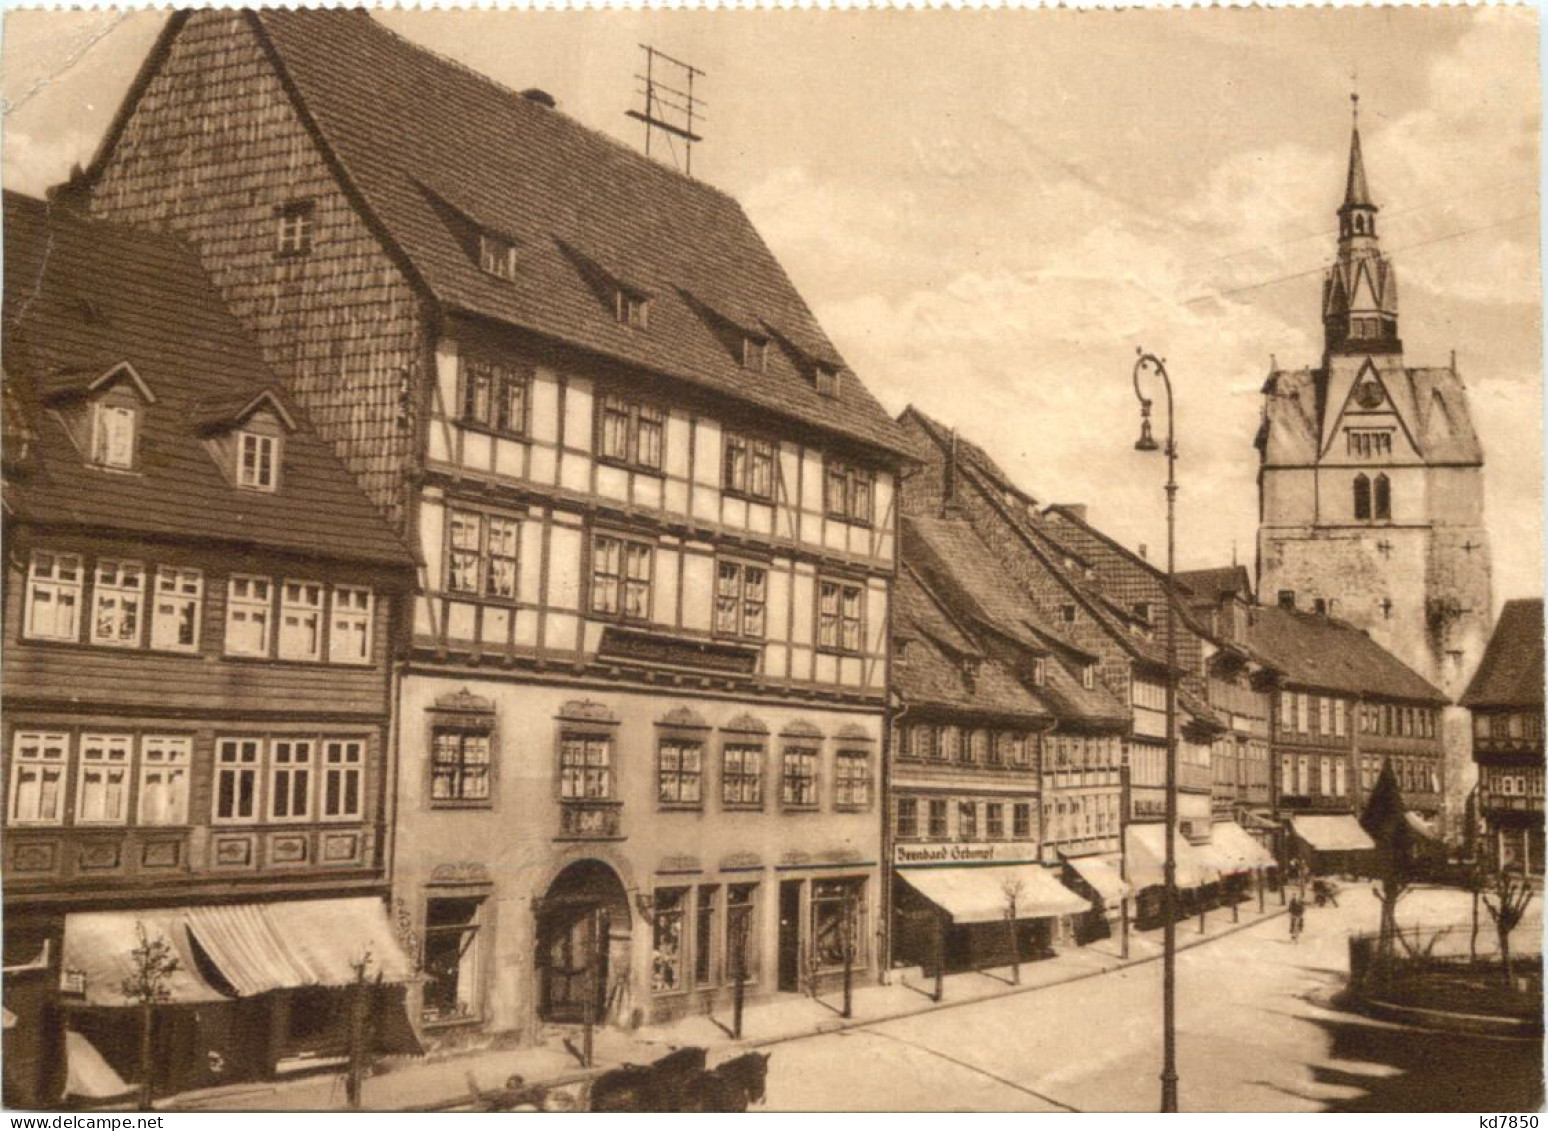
column 1147, row 443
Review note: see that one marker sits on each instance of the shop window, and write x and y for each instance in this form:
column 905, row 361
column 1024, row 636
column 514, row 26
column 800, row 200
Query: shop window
column 741, row 597
column 798, row 779
column 164, row 767
column 704, row 969
column 838, row 922
column 666, row 969
column 451, row 959
column 741, row 778
column 853, row 779
column 54, row 583
column 118, row 598
column 176, row 610
column 679, row 772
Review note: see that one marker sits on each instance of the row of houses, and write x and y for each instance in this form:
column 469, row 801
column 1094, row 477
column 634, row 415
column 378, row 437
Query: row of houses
column 484, row 578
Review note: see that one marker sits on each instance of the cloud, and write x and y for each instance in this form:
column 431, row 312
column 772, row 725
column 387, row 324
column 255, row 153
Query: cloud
column 32, row 164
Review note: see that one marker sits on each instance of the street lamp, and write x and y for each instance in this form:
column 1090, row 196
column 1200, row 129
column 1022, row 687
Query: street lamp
column 1147, row 443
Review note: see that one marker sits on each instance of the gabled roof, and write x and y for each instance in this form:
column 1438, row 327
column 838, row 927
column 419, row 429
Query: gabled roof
column 1511, row 672
column 433, row 151
column 1210, row 585
column 82, row 382
column 1326, row 654
column 154, row 309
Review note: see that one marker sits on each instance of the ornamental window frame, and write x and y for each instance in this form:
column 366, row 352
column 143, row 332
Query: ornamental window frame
column 800, row 774
column 853, row 781
column 462, row 724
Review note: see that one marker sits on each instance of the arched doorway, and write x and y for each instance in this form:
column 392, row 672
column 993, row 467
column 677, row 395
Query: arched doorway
column 583, row 940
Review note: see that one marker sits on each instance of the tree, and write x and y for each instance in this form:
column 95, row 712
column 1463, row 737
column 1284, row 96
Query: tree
column 1385, row 819
column 149, row 984
column 1506, row 899
column 1012, row 889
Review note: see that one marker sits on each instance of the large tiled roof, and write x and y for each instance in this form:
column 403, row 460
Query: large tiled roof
column 1324, row 653
column 1210, row 585
column 438, row 152
column 82, row 298
column 1511, row 672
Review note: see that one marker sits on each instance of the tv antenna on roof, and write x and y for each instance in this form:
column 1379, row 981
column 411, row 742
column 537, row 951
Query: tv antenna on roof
column 673, row 110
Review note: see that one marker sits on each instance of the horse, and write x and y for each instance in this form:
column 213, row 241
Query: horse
column 731, row 1086
column 659, row 1086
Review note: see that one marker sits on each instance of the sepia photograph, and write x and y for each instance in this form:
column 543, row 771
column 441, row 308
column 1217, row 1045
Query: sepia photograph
column 869, row 560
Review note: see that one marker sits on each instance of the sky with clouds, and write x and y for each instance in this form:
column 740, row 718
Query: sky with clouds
column 989, row 211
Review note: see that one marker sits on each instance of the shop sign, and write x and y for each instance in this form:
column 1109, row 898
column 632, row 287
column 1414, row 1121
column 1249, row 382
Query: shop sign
column 965, row 852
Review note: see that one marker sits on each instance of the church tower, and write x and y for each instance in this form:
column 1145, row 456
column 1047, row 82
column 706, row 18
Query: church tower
column 1370, row 481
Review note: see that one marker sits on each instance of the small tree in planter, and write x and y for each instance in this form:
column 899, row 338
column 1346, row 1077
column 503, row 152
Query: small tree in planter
column 1012, row 890
column 149, row 984
column 1385, row 819
column 1506, row 899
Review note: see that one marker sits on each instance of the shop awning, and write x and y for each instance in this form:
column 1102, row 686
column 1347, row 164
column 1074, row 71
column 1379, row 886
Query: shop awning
column 88, row 1075
column 983, row 894
column 99, row 956
column 1241, row 846
column 259, row 947
column 1105, row 875
column 1332, row 833
column 1147, row 855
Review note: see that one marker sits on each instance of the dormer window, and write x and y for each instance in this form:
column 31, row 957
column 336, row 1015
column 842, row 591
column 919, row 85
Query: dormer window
column 827, row 381
column 970, row 666
column 1142, row 611
column 633, row 310
column 1088, row 677
column 496, row 255
column 113, row 429
column 294, row 231
column 257, row 461
column 1039, row 671
column 755, row 354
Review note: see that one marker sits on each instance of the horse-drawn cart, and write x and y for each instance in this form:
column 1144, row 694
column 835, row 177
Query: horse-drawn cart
column 678, row 1081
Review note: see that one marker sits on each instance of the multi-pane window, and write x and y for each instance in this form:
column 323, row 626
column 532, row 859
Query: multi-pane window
column 176, row 609
column 481, row 554
column 1340, row 778
column 679, row 772
column 290, row 779
column 1324, row 715
column 798, row 778
column 755, row 353
column 1340, row 718
column 249, row 615
column 349, row 627
column 586, row 767
column 852, row 773
column 293, row 236
column 826, row 380
column 257, row 461
column 236, row 779
column 102, row 785
column 451, row 964
column 924, row 741
column 848, row 492
column 1021, row 821
column 839, row 616
column 164, row 767
column 118, row 599
column 994, row 820
column 741, row 599
column 938, row 817
column 112, row 435
column 459, row 764
column 631, row 433
column 1368, row 443
column 749, row 467
column 343, row 779
column 54, row 583
column 838, row 922
column 977, row 746
column 37, row 778
column 741, row 775
column 301, row 620
column 907, row 825
column 496, row 255
column 633, row 310
column 967, row 820
column 950, row 743
column 620, row 577
column 493, row 396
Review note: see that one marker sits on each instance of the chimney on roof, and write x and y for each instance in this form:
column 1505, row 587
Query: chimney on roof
column 1144, row 551
column 541, row 97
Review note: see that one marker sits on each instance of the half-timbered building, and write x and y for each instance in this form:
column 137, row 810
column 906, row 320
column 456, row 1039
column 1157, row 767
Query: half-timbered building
column 641, row 722
column 200, row 611
column 1506, row 702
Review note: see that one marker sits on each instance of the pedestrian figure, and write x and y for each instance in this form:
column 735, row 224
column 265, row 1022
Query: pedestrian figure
column 1297, row 918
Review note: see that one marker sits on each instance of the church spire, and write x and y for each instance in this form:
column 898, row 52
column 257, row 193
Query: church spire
column 1359, row 295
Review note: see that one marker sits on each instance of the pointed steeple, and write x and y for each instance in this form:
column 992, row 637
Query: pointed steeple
column 1356, row 193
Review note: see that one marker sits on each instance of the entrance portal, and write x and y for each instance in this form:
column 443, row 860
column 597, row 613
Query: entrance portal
column 583, row 945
